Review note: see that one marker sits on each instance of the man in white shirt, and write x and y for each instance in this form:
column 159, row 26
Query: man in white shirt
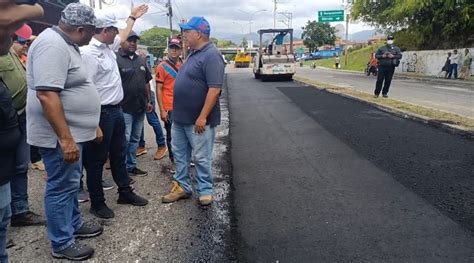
column 454, row 62
column 100, row 57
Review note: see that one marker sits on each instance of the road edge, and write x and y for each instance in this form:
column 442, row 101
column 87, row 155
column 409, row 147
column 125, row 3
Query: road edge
column 460, row 130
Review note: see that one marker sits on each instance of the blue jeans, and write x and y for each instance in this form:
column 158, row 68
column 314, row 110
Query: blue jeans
column 114, row 145
column 133, row 131
column 5, row 214
column 154, row 120
column 60, row 197
column 453, row 68
column 185, row 141
column 19, row 182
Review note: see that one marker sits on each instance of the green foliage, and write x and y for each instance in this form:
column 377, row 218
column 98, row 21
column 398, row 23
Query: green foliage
column 225, row 43
column 229, row 57
column 422, row 24
column 357, row 60
column 156, row 36
column 317, row 34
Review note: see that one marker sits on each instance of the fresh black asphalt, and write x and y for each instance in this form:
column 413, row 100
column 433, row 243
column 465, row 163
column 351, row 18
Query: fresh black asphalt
column 322, row 178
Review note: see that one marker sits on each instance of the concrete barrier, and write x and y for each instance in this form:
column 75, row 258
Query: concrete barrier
column 428, row 62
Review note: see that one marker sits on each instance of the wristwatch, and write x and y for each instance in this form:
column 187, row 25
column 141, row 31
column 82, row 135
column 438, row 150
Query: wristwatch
column 133, row 18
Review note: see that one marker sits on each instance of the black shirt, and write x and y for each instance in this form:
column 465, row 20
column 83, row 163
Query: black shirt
column 135, row 75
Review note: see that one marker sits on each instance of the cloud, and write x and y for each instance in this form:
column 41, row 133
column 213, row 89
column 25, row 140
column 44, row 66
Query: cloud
column 230, row 16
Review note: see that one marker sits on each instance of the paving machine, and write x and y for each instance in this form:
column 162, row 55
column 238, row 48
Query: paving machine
column 242, row 59
column 275, row 61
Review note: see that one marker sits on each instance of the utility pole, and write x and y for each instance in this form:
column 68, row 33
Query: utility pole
column 274, row 13
column 170, row 15
column 289, row 18
column 347, row 38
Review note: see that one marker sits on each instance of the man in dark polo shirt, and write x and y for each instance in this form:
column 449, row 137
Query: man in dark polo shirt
column 136, row 97
column 196, row 112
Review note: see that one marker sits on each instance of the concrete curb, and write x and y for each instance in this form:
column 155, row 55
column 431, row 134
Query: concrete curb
column 404, row 114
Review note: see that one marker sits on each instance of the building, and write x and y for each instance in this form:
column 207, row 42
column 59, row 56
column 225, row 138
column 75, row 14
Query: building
column 298, row 46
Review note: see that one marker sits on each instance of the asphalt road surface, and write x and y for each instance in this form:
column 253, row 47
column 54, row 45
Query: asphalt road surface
column 447, row 95
column 322, row 178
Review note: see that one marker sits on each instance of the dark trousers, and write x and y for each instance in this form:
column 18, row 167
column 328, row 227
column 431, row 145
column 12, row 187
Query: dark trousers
column 34, row 154
column 168, row 134
column 95, row 155
column 384, row 77
column 453, row 68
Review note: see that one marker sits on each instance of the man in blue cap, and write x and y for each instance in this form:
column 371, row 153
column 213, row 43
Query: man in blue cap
column 196, row 112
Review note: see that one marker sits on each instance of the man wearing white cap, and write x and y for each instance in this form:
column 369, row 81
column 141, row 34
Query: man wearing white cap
column 100, row 57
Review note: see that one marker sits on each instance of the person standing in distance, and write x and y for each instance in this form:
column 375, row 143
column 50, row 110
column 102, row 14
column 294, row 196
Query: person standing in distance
column 196, row 112
column 389, row 57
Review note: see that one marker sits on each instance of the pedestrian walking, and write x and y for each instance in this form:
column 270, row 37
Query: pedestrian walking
column 13, row 74
column 389, row 57
column 104, row 72
column 337, row 60
column 166, row 73
column 137, row 100
column 447, row 66
column 454, row 62
column 466, row 65
column 196, row 112
column 62, row 114
column 11, row 18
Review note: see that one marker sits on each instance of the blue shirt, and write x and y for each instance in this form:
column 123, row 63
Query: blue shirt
column 204, row 68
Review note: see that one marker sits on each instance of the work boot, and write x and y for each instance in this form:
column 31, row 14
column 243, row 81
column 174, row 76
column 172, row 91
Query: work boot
column 76, row 251
column 27, row 219
column 39, row 165
column 141, row 150
column 205, row 200
column 102, row 211
column 132, row 199
column 160, row 153
column 177, row 193
column 88, row 230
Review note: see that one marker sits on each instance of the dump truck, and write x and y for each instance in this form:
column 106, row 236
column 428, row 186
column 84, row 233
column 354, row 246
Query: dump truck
column 275, row 61
column 242, row 59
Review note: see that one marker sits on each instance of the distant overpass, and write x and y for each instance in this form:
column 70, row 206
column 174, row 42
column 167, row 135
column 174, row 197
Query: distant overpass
column 234, row 50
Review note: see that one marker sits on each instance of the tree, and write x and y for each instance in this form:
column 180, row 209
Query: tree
column 317, row 34
column 225, row 43
column 422, row 24
column 155, row 38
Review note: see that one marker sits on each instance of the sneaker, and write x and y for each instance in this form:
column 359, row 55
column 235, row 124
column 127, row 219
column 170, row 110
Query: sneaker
column 107, row 185
column 177, row 193
column 83, row 196
column 76, row 251
column 160, row 153
column 102, row 211
column 132, row 199
column 205, row 200
column 27, row 219
column 141, row 150
column 173, row 168
column 39, row 165
column 137, row 172
column 385, row 95
column 88, row 230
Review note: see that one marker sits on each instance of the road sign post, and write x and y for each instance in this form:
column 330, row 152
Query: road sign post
column 331, row 16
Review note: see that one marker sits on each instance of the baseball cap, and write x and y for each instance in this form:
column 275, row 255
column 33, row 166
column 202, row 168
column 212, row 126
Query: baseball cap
column 24, row 32
column 133, row 34
column 108, row 19
column 197, row 23
column 174, row 42
column 77, row 14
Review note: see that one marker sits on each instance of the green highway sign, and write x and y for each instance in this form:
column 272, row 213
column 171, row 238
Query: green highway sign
column 331, row 16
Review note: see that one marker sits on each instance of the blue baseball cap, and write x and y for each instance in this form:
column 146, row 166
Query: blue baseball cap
column 197, row 23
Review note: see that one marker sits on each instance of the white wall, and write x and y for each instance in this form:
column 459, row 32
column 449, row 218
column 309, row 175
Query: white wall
column 428, row 62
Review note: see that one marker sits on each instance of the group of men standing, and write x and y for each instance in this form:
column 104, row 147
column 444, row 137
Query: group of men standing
column 87, row 96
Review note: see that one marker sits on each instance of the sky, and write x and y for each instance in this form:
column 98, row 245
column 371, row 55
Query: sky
column 230, row 17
